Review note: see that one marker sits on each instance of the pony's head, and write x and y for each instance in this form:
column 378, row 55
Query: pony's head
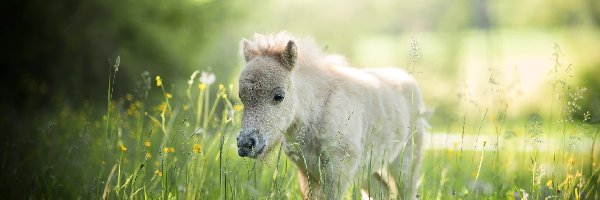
column 265, row 90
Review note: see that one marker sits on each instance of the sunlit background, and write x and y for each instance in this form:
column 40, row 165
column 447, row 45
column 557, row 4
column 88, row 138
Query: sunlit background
column 515, row 60
column 61, row 51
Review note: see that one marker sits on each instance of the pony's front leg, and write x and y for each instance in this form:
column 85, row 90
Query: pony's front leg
column 335, row 183
column 331, row 181
column 327, row 187
column 310, row 186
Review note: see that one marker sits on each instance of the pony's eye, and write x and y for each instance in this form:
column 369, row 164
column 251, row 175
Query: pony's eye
column 278, row 95
column 278, row 98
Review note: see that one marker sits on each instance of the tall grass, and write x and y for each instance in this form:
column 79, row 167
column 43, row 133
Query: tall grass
column 156, row 144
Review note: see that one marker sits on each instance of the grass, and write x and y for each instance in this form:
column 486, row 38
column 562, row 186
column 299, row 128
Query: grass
column 153, row 144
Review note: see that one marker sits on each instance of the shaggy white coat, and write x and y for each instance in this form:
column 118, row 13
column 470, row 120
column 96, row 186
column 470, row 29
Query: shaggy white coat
column 342, row 120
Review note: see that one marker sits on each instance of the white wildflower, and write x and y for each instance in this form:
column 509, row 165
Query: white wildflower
column 207, row 78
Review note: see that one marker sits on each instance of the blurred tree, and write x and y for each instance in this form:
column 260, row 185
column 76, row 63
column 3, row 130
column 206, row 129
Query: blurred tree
column 58, row 54
column 61, row 50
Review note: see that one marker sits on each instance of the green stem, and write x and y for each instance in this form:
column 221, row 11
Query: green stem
column 199, row 106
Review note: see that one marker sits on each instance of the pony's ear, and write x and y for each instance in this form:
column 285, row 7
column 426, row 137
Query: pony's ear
column 289, row 55
column 248, row 50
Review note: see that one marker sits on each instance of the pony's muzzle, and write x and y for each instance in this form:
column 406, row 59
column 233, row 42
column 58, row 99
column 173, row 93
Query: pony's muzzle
column 249, row 144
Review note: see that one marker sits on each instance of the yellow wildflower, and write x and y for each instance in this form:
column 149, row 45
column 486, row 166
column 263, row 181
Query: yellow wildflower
column 168, row 95
column 578, row 173
column 147, row 143
column 158, row 81
column 549, row 184
column 221, row 87
column 202, row 86
column 158, row 172
column 196, row 148
column 571, row 161
column 138, row 103
column 133, row 109
column 161, row 107
column 123, row 148
column 129, row 97
column 172, row 150
column 148, row 155
column 165, row 150
column 238, row 107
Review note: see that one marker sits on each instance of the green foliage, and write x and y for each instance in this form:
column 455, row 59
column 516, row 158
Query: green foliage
column 60, row 48
column 184, row 147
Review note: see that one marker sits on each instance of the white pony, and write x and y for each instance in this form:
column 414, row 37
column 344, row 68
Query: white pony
column 335, row 122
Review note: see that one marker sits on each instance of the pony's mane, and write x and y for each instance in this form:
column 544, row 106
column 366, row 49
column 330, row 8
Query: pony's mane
column 309, row 53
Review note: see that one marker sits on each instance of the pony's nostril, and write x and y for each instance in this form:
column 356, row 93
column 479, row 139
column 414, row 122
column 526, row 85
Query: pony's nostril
column 252, row 142
column 249, row 143
column 248, row 139
column 242, row 152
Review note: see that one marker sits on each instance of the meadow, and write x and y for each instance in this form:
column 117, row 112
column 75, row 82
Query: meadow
column 514, row 95
column 163, row 141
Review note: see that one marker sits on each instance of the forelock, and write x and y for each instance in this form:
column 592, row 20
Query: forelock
column 271, row 44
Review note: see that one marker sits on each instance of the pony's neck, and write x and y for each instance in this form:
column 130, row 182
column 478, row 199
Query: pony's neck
column 312, row 86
